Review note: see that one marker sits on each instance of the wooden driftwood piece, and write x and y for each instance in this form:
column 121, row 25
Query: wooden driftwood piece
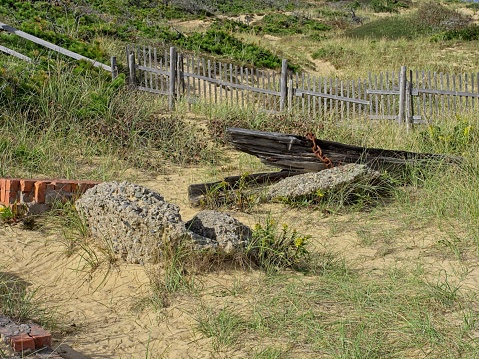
column 197, row 191
column 295, row 153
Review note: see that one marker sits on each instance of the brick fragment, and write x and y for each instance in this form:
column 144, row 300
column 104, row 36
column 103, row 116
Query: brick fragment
column 22, row 342
column 66, row 187
column 12, row 184
column 26, row 185
column 2, row 190
column 41, row 337
column 40, row 189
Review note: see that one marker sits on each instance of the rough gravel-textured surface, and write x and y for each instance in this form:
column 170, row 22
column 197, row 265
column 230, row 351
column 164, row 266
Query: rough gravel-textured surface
column 230, row 234
column 137, row 223
column 327, row 180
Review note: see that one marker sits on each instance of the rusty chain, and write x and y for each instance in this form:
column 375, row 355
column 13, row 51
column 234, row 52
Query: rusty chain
column 318, row 152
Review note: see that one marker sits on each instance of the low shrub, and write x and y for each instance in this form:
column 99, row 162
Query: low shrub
column 220, row 42
column 281, row 24
column 388, row 5
column 274, row 247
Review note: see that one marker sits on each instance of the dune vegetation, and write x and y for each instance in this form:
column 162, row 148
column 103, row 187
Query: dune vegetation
column 385, row 277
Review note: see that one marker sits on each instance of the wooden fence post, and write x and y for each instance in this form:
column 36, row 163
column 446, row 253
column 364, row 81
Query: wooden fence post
column 181, row 80
column 132, row 68
column 283, row 84
column 290, row 95
column 114, row 68
column 402, row 94
column 171, row 102
column 409, row 105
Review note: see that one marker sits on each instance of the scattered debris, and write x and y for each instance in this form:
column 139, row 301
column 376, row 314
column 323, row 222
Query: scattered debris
column 137, row 223
column 230, row 233
column 333, row 179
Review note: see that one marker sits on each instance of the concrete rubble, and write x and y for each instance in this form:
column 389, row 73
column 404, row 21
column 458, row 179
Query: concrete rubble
column 136, row 223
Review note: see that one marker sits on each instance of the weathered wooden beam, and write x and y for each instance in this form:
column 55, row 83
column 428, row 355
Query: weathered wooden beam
column 196, row 192
column 51, row 46
column 294, row 153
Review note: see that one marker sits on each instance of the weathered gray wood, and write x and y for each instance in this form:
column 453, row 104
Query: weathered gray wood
column 147, row 89
column 215, row 88
column 132, row 68
column 53, row 47
column 197, row 192
column 301, row 93
column 295, row 153
column 231, row 81
column 171, row 90
column 16, row 54
column 147, row 69
column 242, row 80
column 155, row 63
column 402, row 94
column 203, row 64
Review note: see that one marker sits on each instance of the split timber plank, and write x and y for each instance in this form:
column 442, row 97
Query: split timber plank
column 294, row 153
column 197, row 191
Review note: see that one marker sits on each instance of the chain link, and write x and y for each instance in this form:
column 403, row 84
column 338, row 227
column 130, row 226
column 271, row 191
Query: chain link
column 318, row 152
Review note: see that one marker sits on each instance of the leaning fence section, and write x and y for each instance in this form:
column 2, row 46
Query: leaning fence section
column 404, row 96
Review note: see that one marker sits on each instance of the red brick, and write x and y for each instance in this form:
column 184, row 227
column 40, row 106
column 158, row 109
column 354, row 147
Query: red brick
column 63, row 186
column 12, row 184
column 22, row 342
column 40, row 336
column 74, row 187
column 26, row 185
column 2, row 190
column 40, row 189
column 10, row 197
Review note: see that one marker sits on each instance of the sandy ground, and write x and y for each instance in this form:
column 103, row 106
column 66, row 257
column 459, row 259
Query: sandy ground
column 105, row 313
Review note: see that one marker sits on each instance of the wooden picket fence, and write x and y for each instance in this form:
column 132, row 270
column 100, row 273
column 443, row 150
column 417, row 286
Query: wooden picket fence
column 404, row 96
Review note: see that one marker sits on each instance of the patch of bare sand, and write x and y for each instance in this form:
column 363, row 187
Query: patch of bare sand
column 324, row 68
column 190, row 26
column 107, row 314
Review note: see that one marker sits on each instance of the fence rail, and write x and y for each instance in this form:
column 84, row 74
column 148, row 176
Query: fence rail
column 15, row 53
column 56, row 48
column 405, row 96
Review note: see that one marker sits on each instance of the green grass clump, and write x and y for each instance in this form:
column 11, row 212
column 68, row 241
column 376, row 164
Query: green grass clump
column 468, row 33
column 274, row 248
column 79, row 113
column 395, row 27
column 281, row 24
column 346, row 315
column 429, row 19
column 388, row 5
column 20, row 302
column 222, row 43
column 209, row 8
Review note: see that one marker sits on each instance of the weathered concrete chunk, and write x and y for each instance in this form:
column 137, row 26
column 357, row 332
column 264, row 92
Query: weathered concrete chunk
column 332, row 179
column 230, row 234
column 137, row 223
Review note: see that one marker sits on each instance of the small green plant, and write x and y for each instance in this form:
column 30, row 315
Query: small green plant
column 20, row 302
column 6, row 214
column 223, row 326
column 274, row 247
column 238, row 196
column 453, row 139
